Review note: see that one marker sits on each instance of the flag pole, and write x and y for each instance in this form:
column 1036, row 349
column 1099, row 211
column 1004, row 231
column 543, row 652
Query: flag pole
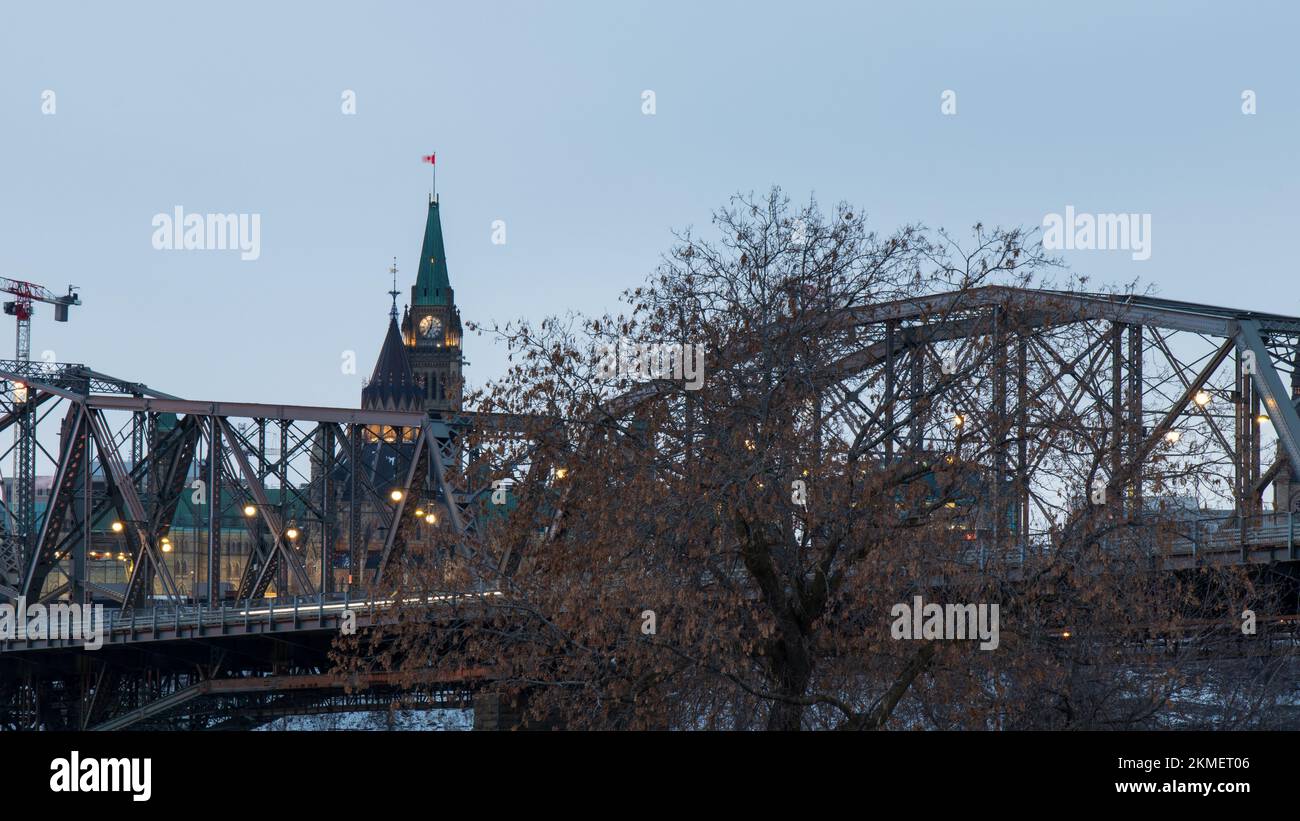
column 432, row 159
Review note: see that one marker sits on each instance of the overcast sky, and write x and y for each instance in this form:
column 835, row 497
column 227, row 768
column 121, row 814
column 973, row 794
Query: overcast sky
column 536, row 114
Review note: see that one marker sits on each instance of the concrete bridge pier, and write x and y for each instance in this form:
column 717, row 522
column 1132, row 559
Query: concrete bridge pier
column 501, row 711
column 496, row 711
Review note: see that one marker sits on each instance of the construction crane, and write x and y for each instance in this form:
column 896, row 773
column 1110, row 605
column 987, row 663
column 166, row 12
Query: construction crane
column 25, row 293
column 15, row 545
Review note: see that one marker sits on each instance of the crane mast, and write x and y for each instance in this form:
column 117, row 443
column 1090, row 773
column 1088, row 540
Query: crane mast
column 15, row 546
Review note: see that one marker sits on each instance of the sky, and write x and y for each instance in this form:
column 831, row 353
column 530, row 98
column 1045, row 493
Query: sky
column 536, row 112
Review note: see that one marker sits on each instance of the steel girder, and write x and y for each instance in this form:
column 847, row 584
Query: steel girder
column 76, row 377
column 252, row 410
column 281, row 551
column 1127, row 309
column 899, row 352
column 1111, row 397
column 135, row 520
column 403, row 521
column 1281, row 408
column 70, row 476
column 172, row 455
column 144, row 498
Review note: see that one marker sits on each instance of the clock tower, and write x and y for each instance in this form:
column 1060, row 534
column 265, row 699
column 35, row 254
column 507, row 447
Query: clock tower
column 431, row 327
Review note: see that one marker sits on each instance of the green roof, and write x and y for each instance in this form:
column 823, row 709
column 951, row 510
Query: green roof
column 432, row 286
column 190, row 516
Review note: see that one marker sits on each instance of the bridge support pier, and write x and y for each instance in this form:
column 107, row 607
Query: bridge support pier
column 496, row 711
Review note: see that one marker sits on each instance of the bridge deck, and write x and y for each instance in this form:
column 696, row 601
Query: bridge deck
column 190, row 622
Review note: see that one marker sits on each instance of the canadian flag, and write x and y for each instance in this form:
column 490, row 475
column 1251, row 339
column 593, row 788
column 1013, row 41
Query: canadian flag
column 429, row 158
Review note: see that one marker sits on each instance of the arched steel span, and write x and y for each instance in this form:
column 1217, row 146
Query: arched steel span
column 1137, row 364
column 353, row 487
column 1145, row 377
column 1154, row 366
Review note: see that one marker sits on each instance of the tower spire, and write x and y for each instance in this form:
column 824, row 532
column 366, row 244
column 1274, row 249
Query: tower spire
column 432, row 282
column 432, row 328
column 394, row 293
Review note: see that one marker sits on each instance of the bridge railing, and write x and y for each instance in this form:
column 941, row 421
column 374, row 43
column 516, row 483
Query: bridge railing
column 267, row 615
column 1189, row 537
column 293, row 609
column 286, row 608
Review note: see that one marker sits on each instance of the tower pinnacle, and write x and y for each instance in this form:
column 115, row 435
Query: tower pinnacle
column 394, row 293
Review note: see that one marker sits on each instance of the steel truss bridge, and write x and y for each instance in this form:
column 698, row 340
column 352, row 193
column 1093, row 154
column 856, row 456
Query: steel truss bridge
column 226, row 539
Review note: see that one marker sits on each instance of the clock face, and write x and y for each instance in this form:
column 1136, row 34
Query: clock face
column 430, row 326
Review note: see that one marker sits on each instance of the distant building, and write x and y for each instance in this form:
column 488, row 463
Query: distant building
column 418, row 370
column 419, row 367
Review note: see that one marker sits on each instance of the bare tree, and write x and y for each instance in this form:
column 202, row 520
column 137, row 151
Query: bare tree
column 730, row 554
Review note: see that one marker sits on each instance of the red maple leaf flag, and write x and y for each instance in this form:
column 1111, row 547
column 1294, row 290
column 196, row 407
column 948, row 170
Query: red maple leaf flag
column 429, row 158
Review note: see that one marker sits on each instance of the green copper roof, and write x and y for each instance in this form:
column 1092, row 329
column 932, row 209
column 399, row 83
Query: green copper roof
column 432, row 287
